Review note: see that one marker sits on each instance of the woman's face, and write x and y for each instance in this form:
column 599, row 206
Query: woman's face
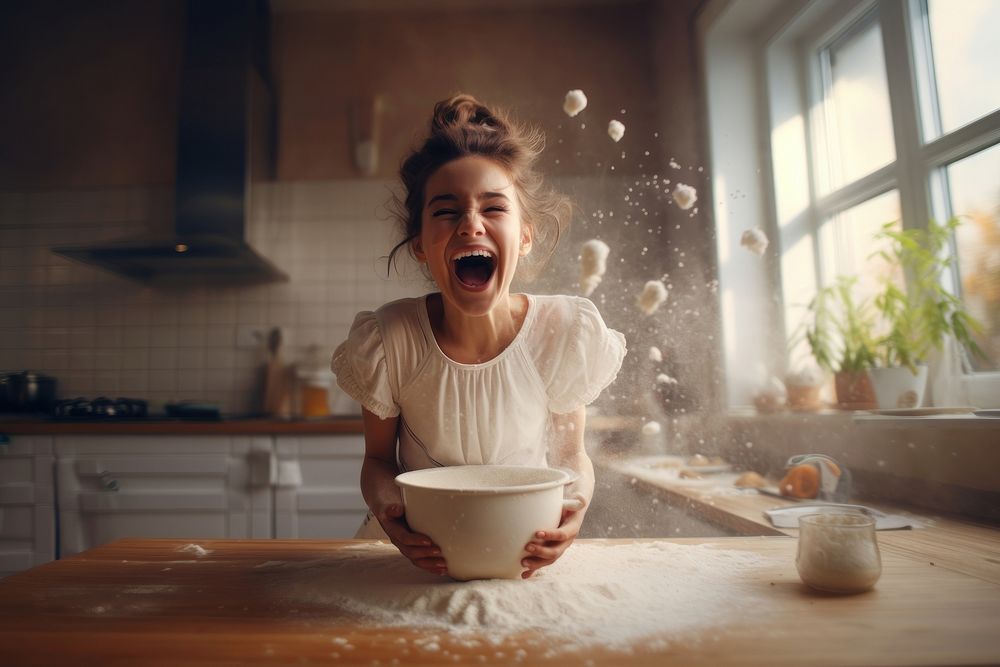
column 472, row 234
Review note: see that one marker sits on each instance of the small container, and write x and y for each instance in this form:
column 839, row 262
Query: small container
column 313, row 400
column 838, row 552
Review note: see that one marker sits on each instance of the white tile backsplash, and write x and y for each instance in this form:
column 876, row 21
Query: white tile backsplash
column 100, row 334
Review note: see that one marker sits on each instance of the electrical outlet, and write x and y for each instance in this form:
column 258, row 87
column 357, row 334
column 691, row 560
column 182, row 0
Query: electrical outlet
column 251, row 336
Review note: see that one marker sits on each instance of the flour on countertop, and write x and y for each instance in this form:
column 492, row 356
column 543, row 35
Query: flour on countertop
column 598, row 594
column 195, row 549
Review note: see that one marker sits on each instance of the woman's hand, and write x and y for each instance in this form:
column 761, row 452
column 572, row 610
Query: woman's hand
column 549, row 545
column 419, row 548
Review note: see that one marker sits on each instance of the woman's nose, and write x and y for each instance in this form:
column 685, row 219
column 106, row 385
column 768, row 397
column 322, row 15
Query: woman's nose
column 471, row 224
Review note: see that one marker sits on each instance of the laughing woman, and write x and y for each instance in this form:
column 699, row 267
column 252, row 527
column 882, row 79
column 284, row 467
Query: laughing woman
column 472, row 374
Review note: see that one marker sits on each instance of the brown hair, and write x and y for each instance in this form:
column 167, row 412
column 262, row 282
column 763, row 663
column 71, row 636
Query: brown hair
column 462, row 126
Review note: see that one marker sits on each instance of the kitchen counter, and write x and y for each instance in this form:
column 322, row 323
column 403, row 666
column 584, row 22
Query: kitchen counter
column 967, row 546
column 22, row 425
column 215, row 609
column 41, row 426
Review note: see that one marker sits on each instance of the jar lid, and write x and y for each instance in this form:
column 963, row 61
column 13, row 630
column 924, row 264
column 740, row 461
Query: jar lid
column 323, row 377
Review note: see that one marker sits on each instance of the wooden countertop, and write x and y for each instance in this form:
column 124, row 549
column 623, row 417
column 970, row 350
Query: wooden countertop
column 332, row 425
column 966, row 546
column 214, row 610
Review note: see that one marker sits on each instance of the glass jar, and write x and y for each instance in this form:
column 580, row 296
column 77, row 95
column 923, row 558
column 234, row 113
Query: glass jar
column 838, row 552
column 313, row 394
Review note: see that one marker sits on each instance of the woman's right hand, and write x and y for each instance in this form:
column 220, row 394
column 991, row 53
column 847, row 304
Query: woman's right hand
column 419, row 548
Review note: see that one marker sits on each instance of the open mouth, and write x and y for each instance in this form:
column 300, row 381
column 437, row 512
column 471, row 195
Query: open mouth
column 474, row 268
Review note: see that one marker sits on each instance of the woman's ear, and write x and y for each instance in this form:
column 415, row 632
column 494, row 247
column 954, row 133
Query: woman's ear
column 418, row 249
column 526, row 238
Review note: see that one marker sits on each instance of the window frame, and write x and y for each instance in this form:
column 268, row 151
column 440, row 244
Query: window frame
column 787, row 38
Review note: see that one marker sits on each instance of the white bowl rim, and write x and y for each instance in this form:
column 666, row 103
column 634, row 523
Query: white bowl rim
column 407, row 481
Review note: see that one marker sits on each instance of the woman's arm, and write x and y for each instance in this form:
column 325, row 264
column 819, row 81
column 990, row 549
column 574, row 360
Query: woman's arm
column 566, row 451
column 383, row 497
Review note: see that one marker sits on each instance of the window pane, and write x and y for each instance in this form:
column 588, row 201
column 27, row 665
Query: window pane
column 964, row 42
column 848, row 243
column 974, row 185
column 859, row 122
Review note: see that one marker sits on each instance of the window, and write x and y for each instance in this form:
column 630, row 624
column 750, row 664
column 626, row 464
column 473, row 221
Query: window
column 973, row 187
column 856, row 124
column 872, row 111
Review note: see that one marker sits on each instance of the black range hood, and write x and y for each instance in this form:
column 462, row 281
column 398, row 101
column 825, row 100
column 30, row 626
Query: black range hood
column 225, row 142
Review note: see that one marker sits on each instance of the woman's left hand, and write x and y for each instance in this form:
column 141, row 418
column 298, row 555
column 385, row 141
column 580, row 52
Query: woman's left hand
column 549, row 545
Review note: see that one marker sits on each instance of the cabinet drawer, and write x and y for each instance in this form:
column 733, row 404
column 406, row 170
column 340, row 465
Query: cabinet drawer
column 110, row 502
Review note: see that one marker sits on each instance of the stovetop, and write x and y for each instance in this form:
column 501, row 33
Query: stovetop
column 104, row 409
column 100, row 409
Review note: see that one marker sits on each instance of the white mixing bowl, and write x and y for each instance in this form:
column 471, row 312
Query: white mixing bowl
column 482, row 516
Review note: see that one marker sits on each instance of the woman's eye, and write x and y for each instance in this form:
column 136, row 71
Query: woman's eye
column 444, row 211
column 499, row 209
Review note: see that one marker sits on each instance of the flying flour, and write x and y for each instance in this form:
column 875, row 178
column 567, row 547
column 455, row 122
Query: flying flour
column 575, row 102
column 616, row 130
column 593, row 264
column 754, row 240
column 653, row 294
column 685, row 196
column 651, row 428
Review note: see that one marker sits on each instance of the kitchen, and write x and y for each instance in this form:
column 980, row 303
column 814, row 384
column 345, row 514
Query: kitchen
column 99, row 93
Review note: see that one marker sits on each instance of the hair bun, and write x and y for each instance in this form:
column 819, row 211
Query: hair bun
column 462, row 110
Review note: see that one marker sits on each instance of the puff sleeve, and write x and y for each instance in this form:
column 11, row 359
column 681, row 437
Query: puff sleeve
column 360, row 366
column 587, row 363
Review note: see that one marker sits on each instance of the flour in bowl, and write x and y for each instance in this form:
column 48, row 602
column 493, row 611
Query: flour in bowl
column 612, row 595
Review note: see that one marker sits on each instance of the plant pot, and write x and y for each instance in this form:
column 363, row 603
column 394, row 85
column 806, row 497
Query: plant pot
column 854, row 391
column 899, row 387
column 804, row 399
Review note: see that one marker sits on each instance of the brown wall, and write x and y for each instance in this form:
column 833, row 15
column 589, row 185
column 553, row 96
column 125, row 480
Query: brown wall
column 88, row 92
column 524, row 59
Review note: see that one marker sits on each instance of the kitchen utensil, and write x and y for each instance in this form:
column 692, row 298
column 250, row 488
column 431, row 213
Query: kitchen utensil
column 27, row 391
column 482, row 516
column 838, row 552
column 101, row 408
column 277, row 384
column 193, row 411
column 788, row 517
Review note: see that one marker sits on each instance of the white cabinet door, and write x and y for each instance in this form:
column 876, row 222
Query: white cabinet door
column 188, row 487
column 27, row 503
column 317, row 488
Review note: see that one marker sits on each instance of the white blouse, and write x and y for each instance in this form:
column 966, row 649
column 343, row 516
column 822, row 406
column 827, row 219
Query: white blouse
column 496, row 412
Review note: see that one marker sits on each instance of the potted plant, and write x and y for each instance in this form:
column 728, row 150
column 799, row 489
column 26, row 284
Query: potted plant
column 839, row 331
column 918, row 318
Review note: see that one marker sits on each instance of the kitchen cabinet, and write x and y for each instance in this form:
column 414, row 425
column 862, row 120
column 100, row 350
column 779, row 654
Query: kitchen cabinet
column 161, row 486
column 318, row 492
column 195, row 487
column 27, row 503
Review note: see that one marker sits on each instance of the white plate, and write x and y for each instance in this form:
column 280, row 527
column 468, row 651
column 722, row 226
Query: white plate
column 924, row 412
column 722, row 467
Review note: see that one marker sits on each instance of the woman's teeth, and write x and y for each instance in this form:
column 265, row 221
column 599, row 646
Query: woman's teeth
column 474, row 268
column 478, row 252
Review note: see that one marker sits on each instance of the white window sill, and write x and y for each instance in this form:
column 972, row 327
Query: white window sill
column 863, row 418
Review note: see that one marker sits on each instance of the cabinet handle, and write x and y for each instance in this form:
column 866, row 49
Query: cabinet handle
column 108, row 482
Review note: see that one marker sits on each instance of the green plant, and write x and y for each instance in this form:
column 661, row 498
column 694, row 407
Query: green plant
column 918, row 318
column 839, row 328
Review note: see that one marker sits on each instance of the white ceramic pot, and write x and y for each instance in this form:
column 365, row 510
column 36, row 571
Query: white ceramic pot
column 898, row 386
column 482, row 516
